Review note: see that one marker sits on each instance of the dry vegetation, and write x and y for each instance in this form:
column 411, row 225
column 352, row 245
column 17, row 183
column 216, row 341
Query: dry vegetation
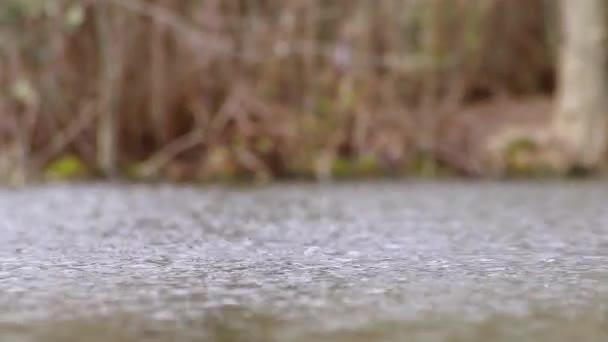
column 227, row 89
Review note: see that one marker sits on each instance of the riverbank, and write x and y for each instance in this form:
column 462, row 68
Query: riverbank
column 490, row 140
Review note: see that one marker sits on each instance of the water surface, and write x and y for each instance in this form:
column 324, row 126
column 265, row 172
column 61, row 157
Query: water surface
column 388, row 261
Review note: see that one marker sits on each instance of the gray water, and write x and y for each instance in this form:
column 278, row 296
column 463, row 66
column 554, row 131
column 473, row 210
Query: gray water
column 366, row 262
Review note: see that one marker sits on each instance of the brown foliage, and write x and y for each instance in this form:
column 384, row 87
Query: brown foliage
column 267, row 87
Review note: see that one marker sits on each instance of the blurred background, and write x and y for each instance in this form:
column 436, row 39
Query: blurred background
column 256, row 90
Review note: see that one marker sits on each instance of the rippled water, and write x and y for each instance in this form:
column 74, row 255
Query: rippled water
column 390, row 261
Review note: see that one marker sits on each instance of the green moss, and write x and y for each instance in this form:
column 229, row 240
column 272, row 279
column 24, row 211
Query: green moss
column 66, row 168
column 135, row 171
column 518, row 146
column 424, row 164
column 520, row 158
column 345, row 168
column 523, row 158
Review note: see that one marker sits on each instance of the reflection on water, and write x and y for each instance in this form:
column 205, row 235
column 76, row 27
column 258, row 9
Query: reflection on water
column 427, row 262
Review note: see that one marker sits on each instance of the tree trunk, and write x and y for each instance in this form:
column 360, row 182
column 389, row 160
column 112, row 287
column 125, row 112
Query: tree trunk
column 109, row 79
column 581, row 118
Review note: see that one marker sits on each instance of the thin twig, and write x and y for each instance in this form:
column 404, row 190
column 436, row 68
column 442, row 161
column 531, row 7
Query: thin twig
column 161, row 158
column 193, row 35
column 63, row 139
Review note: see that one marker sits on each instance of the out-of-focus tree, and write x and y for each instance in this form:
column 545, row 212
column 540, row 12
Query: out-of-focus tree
column 109, row 80
column 580, row 121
